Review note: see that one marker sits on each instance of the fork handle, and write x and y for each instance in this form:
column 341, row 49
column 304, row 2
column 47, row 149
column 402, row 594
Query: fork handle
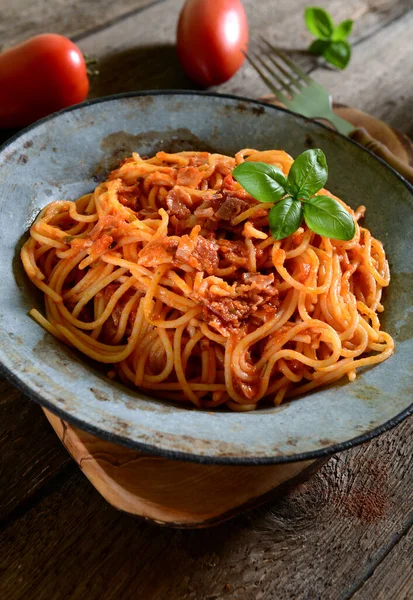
column 361, row 136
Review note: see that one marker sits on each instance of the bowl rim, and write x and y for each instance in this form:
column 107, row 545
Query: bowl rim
column 176, row 454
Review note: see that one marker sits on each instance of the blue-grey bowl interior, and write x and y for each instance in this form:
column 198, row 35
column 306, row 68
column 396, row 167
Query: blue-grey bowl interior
column 65, row 155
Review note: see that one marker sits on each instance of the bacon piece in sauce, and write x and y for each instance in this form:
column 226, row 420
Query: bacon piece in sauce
column 199, row 253
column 177, row 202
column 231, row 207
column 158, row 253
column 227, row 307
column 201, row 158
column 189, row 177
column 235, row 252
column 129, row 196
column 224, row 206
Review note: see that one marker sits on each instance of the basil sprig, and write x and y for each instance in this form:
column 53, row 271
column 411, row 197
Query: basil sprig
column 331, row 42
column 294, row 196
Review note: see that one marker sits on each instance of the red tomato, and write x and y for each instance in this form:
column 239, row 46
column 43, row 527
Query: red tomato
column 39, row 77
column 211, row 37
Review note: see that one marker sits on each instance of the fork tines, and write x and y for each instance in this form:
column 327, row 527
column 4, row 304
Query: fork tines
column 277, row 71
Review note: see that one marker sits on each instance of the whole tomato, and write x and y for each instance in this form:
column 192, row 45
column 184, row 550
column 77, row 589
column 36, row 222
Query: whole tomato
column 211, row 37
column 39, row 77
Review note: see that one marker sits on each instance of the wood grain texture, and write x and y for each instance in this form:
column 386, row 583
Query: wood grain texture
column 393, row 576
column 318, row 542
column 178, row 493
column 30, row 454
column 20, row 20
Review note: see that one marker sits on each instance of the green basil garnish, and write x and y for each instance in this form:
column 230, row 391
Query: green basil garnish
column 294, row 196
column 264, row 182
column 285, row 218
column 342, row 31
column 319, row 22
column 308, row 173
column 327, row 217
column 331, row 42
column 338, row 54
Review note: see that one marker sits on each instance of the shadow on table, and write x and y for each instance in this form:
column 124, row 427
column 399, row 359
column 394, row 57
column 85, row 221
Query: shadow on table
column 140, row 68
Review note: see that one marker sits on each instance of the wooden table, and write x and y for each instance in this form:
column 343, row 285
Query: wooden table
column 346, row 533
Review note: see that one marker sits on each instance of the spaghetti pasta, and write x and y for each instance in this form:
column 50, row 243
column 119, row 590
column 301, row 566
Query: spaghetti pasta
column 168, row 273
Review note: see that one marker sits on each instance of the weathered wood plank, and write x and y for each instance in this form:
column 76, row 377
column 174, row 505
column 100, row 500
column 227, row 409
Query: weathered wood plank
column 318, row 542
column 20, row 20
column 30, row 452
column 393, row 577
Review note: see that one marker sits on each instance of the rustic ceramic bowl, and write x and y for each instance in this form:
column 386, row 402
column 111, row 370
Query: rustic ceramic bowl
column 65, row 155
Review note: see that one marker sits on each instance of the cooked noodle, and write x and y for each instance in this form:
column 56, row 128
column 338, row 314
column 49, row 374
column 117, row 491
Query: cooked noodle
column 168, row 273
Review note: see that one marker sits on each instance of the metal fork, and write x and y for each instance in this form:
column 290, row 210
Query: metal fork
column 301, row 94
column 293, row 87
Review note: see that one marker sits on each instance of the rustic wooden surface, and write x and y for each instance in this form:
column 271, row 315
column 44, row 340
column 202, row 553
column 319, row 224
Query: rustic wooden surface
column 344, row 534
column 173, row 492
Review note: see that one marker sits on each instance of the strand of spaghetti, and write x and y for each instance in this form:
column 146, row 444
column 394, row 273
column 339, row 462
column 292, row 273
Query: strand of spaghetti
column 361, row 347
column 142, row 354
column 45, row 323
column 285, row 370
column 48, row 263
column 169, row 297
column 169, row 362
column 81, row 218
column 239, row 356
column 47, row 290
column 302, row 247
column 93, row 290
column 151, row 291
column 41, row 239
column 250, row 212
column 279, row 396
column 215, row 337
column 100, row 271
column 279, row 259
column 98, row 286
column 105, row 358
column 124, row 317
column 188, row 348
column 339, row 371
column 294, row 355
column 183, row 320
column 98, row 308
column 240, row 407
column 179, row 369
column 88, row 340
column 29, row 264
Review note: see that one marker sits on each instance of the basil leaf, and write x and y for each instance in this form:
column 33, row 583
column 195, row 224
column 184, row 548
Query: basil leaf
column 338, row 54
column 285, row 217
column 328, row 218
column 318, row 47
column 342, row 31
column 308, row 173
column 265, row 183
column 319, row 22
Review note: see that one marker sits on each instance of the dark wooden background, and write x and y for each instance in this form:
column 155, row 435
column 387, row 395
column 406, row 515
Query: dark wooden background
column 346, row 533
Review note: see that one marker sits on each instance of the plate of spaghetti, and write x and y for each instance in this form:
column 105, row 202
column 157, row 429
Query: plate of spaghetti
column 168, row 284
